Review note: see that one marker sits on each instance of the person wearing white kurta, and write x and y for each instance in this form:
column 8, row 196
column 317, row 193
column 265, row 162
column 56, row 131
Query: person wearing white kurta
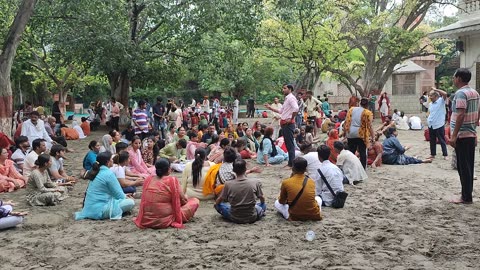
column 236, row 104
column 34, row 128
column 276, row 118
column 332, row 174
column 350, row 165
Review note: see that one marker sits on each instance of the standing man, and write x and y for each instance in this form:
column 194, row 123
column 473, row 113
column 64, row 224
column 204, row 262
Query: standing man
column 250, row 107
column 236, row 104
column 465, row 117
column 301, row 109
column 140, row 120
column 372, row 102
column 158, row 114
column 312, row 104
column 436, row 121
column 206, row 104
column 359, row 130
column 276, row 118
column 287, row 120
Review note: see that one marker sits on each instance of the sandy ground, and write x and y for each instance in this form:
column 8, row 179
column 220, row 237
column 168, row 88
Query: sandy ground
column 399, row 219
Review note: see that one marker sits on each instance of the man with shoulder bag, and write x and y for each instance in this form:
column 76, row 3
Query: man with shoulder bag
column 330, row 185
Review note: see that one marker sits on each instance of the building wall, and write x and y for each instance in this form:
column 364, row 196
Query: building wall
column 471, row 56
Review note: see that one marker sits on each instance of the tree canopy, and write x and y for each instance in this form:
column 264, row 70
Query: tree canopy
column 187, row 48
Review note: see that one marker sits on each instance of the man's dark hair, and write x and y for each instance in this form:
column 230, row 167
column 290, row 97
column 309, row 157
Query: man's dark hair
column 20, row 140
column 289, row 86
column 182, row 143
column 120, row 146
column 36, row 143
column 35, row 113
column 239, row 166
column 464, row 74
column 323, row 152
column 159, row 99
column 299, row 165
column 141, row 103
column 56, row 148
column 338, row 145
column 229, row 155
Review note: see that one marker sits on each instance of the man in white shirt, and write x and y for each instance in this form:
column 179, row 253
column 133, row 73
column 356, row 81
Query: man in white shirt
column 415, row 123
column 34, row 128
column 39, row 147
column 20, row 154
column 311, row 156
column 276, row 118
column 332, row 174
column 236, row 105
column 206, row 104
column 350, row 164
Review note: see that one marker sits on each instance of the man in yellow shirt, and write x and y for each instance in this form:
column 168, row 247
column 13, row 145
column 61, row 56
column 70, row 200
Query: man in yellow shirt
column 297, row 199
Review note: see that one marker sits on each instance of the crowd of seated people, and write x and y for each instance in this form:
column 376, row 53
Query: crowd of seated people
column 212, row 161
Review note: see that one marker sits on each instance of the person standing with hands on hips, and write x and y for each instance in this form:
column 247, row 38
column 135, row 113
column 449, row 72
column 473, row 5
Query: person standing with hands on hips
column 287, row 120
column 465, row 117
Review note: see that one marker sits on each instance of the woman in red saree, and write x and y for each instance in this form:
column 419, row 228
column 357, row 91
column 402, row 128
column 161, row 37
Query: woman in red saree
column 163, row 203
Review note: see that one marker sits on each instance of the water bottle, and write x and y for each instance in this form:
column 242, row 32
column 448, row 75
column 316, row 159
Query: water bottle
column 310, row 235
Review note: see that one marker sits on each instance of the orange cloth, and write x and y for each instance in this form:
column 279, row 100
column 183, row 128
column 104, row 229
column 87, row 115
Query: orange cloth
column 164, row 204
column 209, row 184
column 372, row 152
column 8, row 171
column 86, row 128
column 332, row 138
column 70, row 133
column 366, row 122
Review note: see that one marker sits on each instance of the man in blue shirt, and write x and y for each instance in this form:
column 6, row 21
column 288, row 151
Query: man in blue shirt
column 436, row 121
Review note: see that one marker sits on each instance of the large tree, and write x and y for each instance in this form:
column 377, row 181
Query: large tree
column 120, row 37
column 7, row 56
column 385, row 33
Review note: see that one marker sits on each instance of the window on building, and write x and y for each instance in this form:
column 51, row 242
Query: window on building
column 404, row 84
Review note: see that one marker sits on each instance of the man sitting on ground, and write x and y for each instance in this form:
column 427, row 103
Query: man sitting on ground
column 240, row 195
column 297, row 199
column 175, row 152
column 18, row 157
column 350, row 164
column 332, row 174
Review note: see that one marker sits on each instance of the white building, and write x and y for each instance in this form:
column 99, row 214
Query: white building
column 467, row 33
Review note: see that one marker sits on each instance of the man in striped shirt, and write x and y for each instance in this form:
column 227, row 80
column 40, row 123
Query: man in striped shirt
column 465, row 117
column 140, row 120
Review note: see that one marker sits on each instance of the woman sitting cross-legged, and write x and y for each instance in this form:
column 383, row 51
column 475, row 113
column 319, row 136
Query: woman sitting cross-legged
column 41, row 190
column 268, row 153
column 163, row 203
column 194, row 176
column 394, row 152
column 10, row 178
column 8, row 218
column 307, row 206
column 128, row 180
column 104, row 198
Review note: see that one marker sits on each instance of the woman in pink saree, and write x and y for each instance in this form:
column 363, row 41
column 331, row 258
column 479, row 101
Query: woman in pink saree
column 163, row 203
column 10, row 178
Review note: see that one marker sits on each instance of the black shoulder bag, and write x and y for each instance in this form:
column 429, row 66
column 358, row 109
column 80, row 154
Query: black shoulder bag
column 292, row 204
column 339, row 198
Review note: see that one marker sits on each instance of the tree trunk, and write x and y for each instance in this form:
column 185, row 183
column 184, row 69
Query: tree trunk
column 6, row 61
column 120, row 86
